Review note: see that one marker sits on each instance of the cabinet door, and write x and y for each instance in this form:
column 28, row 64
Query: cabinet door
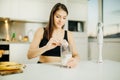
column 81, row 45
column 31, row 10
column 81, row 41
column 110, row 51
column 34, row 10
column 5, row 8
column 18, row 53
column 78, row 10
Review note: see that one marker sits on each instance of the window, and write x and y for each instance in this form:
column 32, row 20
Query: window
column 110, row 15
column 111, row 18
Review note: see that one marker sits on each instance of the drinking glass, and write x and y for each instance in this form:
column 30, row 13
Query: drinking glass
column 66, row 54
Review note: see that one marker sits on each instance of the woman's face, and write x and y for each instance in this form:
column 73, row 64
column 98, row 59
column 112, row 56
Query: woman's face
column 60, row 18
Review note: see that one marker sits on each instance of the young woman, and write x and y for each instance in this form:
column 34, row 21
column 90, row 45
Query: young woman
column 46, row 42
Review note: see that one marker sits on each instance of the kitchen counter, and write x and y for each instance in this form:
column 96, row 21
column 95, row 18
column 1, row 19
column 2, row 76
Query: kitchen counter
column 86, row 70
column 105, row 40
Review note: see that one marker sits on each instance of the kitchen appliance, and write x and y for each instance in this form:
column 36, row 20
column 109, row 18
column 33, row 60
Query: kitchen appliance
column 100, row 41
column 5, row 55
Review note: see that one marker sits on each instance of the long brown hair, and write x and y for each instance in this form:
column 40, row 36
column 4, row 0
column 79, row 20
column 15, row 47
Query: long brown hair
column 49, row 27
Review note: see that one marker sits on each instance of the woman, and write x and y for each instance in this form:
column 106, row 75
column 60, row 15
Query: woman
column 46, row 42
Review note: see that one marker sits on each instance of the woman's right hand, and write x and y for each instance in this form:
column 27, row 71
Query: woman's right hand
column 53, row 43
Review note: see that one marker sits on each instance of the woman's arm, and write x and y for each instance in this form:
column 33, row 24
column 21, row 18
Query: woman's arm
column 34, row 49
column 73, row 46
column 75, row 57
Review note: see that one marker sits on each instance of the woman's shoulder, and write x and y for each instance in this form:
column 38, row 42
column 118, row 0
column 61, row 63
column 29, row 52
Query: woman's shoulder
column 39, row 31
column 69, row 35
column 69, row 32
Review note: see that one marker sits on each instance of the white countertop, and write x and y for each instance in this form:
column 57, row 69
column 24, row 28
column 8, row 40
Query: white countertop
column 86, row 70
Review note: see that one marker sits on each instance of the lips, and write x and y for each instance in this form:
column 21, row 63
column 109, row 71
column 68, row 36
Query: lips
column 59, row 24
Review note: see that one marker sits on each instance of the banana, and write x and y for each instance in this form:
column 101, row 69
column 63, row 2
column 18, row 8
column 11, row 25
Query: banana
column 10, row 66
column 8, row 63
column 1, row 53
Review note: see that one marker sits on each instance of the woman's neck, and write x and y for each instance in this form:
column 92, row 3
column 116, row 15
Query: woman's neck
column 57, row 30
column 57, row 33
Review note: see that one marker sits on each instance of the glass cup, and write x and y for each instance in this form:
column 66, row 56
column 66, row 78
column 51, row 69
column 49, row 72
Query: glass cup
column 66, row 54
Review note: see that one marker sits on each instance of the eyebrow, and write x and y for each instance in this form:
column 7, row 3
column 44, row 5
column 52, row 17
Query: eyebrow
column 60, row 15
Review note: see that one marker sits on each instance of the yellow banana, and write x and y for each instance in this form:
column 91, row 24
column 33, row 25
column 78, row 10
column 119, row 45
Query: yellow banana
column 8, row 63
column 11, row 66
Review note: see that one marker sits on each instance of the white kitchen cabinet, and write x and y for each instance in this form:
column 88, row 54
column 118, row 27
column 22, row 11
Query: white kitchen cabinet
column 34, row 10
column 18, row 53
column 81, row 41
column 39, row 10
column 5, row 8
column 78, row 10
column 25, row 9
column 30, row 10
column 111, row 50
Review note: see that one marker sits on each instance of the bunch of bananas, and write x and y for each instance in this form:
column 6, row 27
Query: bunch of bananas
column 1, row 53
column 10, row 67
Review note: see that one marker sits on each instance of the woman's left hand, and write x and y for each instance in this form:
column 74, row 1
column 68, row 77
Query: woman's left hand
column 72, row 63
